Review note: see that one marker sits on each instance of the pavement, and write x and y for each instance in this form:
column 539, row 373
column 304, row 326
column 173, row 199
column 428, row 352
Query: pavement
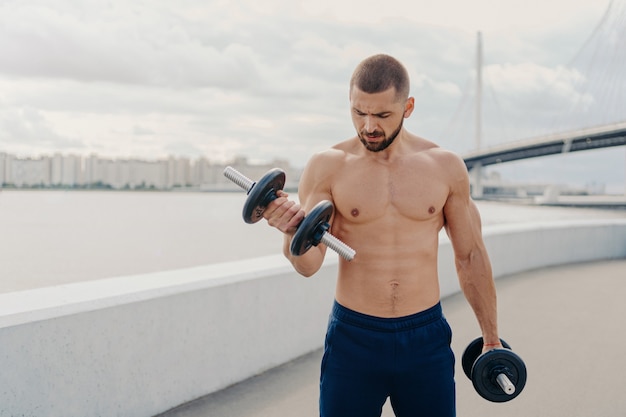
column 564, row 322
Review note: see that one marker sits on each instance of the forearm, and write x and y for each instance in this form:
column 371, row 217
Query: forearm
column 309, row 262
column 476, row 280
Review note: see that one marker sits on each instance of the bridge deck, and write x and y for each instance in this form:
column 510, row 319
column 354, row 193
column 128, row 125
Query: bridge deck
column 565, row 322
column 578, row 140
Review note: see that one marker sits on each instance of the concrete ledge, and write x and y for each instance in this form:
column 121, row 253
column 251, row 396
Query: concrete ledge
column 140, row 345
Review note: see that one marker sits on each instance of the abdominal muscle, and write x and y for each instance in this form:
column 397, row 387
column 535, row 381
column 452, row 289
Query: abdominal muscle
column 392, row 275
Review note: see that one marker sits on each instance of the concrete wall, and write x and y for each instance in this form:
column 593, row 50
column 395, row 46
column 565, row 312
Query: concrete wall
column 140, row 345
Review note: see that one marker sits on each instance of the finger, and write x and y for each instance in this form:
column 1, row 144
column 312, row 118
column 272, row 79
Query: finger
column 273, row 206
column 289, row 221
column 296, row 219
column 276, row 218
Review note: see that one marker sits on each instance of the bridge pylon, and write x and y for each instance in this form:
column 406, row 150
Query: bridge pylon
column 476, row 185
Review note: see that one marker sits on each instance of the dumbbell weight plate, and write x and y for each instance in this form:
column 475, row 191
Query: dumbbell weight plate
column 492, row 363
column 472, row 352
column 261, row 194
column 312, row 227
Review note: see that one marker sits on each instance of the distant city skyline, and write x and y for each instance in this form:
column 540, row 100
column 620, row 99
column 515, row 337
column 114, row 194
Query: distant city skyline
column 75, row 171
column 128, row 157
column 93, row 171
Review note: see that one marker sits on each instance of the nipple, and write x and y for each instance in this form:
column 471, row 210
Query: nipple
column 431, row 210
column 355, row 212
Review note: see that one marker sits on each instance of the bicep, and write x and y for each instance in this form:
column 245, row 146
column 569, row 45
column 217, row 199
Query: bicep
column 462, row 218
column 463, row 226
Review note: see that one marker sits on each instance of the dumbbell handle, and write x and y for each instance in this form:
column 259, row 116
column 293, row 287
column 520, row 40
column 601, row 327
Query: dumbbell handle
column 506, row 384
column 338, row 246
column 329, row 240
column 239, row 179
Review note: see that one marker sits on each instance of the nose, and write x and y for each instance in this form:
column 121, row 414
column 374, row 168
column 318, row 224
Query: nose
column 370, row 124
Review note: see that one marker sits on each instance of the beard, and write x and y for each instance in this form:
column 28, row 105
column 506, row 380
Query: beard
column 383, row 144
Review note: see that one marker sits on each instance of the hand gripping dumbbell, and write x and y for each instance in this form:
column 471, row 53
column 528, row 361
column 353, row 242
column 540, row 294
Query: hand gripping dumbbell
column 312, row 230
column 498, row 375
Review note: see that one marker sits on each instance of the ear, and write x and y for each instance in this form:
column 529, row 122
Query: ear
column 409, row 106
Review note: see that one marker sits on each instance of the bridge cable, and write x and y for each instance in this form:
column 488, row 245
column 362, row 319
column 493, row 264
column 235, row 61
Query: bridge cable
column 600, row 67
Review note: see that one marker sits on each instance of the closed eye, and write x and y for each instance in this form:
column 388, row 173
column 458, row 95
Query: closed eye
column 382, row 115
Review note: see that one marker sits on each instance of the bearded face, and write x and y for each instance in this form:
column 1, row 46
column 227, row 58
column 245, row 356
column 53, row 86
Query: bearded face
column 378, row 117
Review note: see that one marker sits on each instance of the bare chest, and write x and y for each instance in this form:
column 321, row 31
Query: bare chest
column 367, row 193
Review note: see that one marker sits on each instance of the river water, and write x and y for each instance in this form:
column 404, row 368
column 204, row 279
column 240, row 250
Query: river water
column 55, row 237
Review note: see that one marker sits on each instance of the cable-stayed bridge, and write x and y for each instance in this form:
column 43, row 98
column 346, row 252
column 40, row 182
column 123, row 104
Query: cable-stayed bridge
column 593, row 118
column 573, row 141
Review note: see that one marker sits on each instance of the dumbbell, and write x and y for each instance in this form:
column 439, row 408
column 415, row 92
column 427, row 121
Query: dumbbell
column 498, row 375
column 312, row 230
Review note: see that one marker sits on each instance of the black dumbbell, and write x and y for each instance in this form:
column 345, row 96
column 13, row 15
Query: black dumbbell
column 498, row 375
column 260, row 193
column 311, row 231
column 314, row 229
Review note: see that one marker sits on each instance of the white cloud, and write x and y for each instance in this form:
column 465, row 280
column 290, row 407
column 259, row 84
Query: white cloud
column 268, row 79
column 486, row 15
column 541, row 91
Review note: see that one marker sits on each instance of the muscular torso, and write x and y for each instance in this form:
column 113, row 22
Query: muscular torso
column 390, row 212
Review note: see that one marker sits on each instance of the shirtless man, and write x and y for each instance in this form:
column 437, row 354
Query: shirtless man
column 393, row 192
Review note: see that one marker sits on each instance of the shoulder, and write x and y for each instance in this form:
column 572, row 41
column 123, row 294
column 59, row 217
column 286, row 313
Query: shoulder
column 332, row 158
column 327, row 159
column 455, row 172
column 322, row 168
column 444, row 160
column 448, row 159
column 448, row 167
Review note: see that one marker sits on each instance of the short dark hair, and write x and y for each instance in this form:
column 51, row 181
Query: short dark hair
column 380, row 72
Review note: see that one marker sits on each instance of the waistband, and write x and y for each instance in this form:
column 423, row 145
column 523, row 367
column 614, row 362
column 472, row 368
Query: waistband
column 355, row 318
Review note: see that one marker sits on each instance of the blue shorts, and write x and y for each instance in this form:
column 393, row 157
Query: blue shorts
column 368, row 359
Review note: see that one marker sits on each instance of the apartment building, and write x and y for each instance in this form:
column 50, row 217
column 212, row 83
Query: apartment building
column 73, row 171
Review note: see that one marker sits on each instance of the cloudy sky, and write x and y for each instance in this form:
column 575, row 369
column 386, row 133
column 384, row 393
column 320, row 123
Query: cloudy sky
column 268, row 79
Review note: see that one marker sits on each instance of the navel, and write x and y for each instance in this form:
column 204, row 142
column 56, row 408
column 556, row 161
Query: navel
column 355, row 212
column 394, row 296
